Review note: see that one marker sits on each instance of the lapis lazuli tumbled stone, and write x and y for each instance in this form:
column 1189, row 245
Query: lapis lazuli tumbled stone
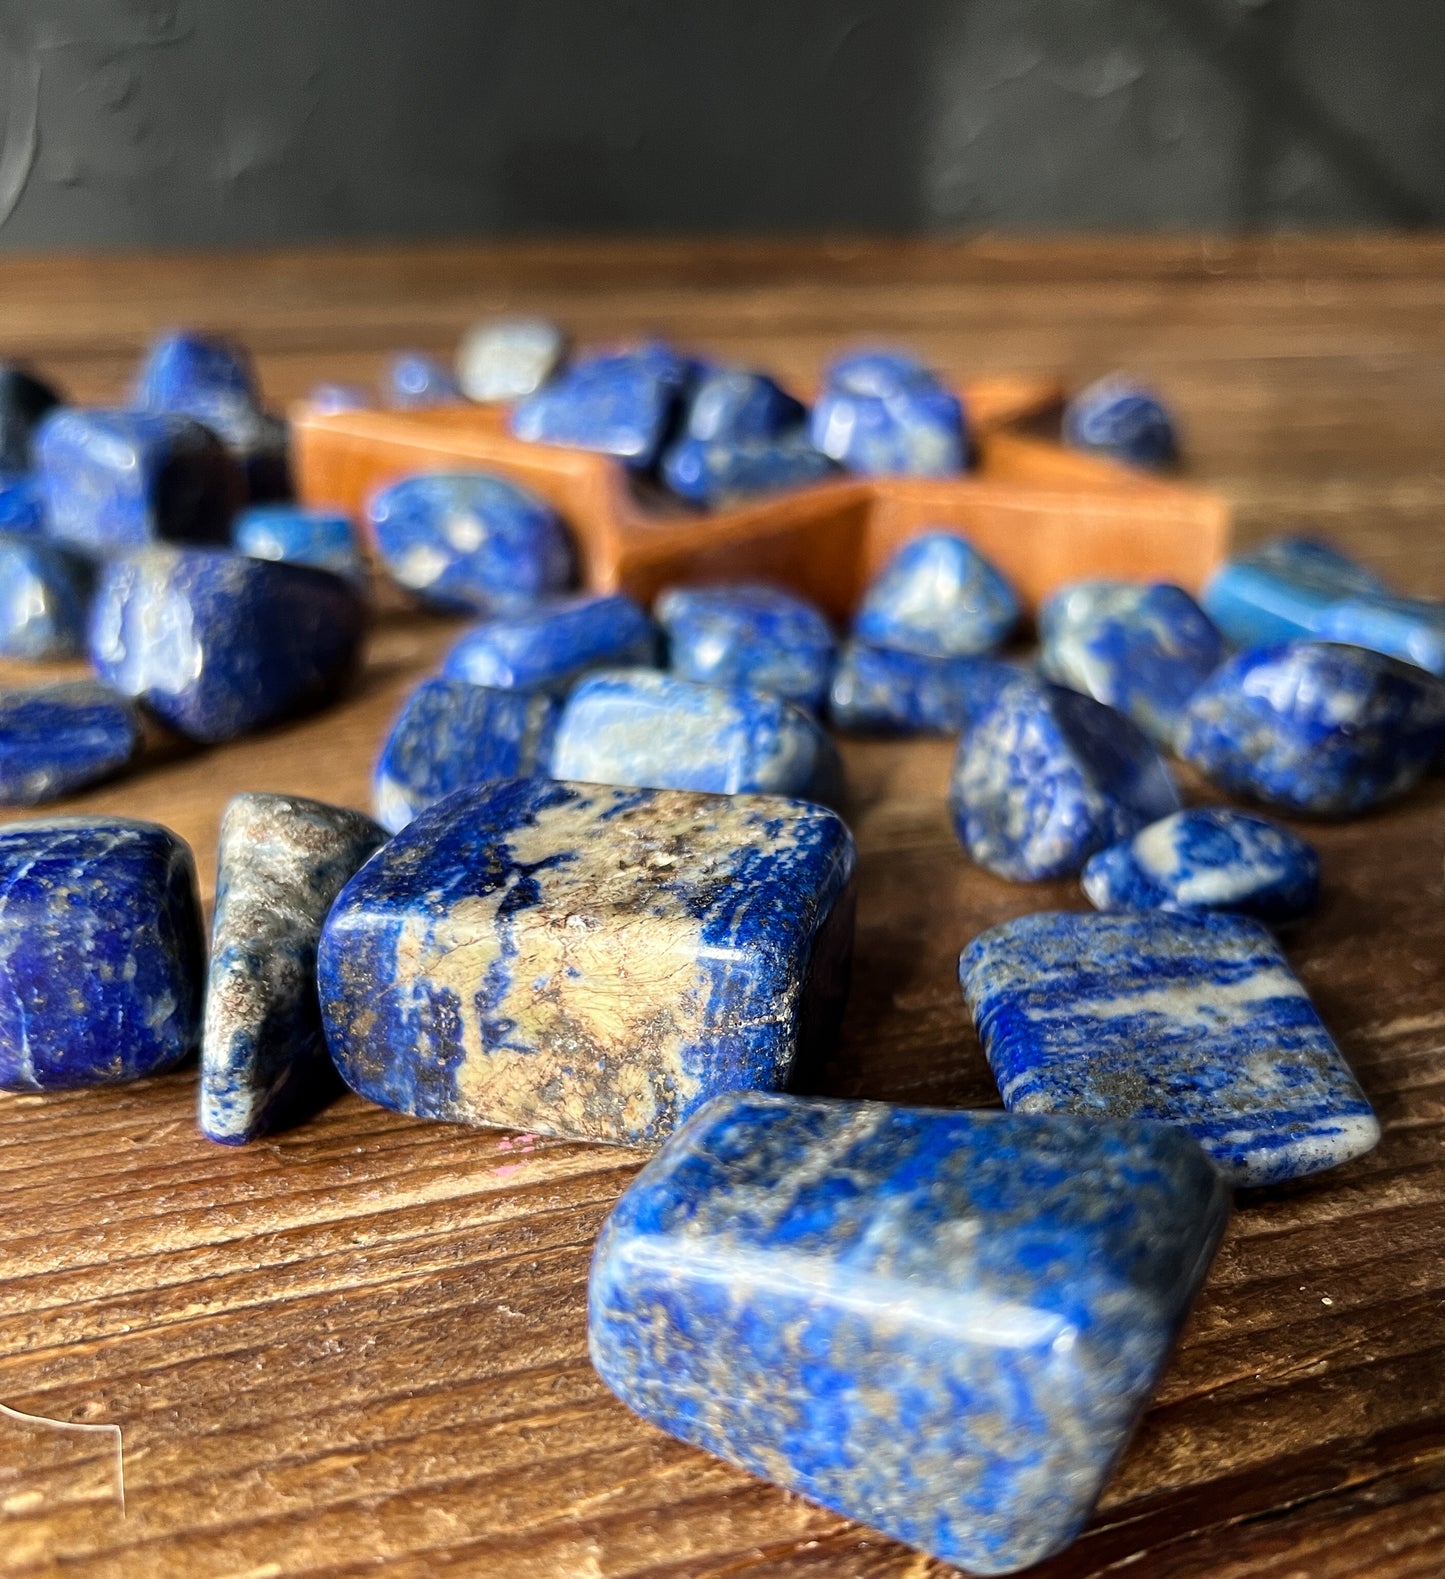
column 746, row 633
column 732, row 405
column 282, row 861
column 413, row 381
column 587, row 961
column 450, row 734
column 715, row 473
column 1193, row 1019
column 549, row 646
column 938, row 597
column 1118, row 417
column 58, row 738
column 467, row 540
column 295, row 535
column 883, row 414
column 1315, row 727
column 878, row 690
column 507, row 358
column 1208, row 858
column 22, row 504
column 116, row 480
column 652, row 730
column 44, row 596
column 218, row 644
column 1143, row 649
column 182, row 366
column 1045, row 777
column 101, row 952
column 1410, row 629
column 944, row 1325
column 24, row 401
column 1281, row 590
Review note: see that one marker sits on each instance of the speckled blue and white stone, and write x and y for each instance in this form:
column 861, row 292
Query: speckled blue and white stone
column 1143, row 649
column 882, row 414
column 1193, row 1019
column 1045, row 777
column 1209, row 858
column 1281, row 590
column 1315, row 727
column 282, row 862
column 44, row 595
column 331, row 398
column 116, row 480
column 24, row 401
column 585, row 961
column 749, row 634
column 547, row 647
column 507, row 358
column 101, row 952
column 878, row 691
column 22, row 504
column 181, row 367
column 59, row 738
column 1117, row 417
column 218, row 644
column 451, row 734
column 294, row 535
column 937, row 597
column 1410, row 629
column 654, row 731
column 467, row 540
column 412, row 381
column 620, row 403
column 718, row 473
column 944, row 1325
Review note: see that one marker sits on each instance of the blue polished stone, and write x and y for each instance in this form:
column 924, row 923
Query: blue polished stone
column 1045, row 777
column 44, row 596
column 621, row 403
column 655, row 731
column 1315, row 727
column 182, row 367
column 943, row 1325
column 748, row 634
column 116, row 480
column 451, row 734
column 549, row 646
column 1117, row 417
column 22, row 504
column 101, row 952
column 731, row 405
column 282, row 862
column 1209, row 858
column 1143, row 649
column 1411, row 629
column 258, row 442
column 507, row 358
column 59, row 738
column 295, row 535
column 217, row 644
column 587, row 961
column 937, row 597
column 723, row 473
column 876, row 691
column 1194, row 1019
column 331, row 398
column 1281, row 590
column 467, row 540
column 413, row 381
column 882, row 414
column 24, row 401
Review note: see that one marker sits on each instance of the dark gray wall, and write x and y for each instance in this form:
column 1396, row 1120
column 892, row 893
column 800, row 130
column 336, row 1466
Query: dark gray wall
column 202, row 122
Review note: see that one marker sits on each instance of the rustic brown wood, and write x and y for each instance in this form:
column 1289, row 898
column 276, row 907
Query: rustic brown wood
column 358, row 1347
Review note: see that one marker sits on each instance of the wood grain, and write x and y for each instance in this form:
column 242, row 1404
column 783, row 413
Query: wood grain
column 358, row 1348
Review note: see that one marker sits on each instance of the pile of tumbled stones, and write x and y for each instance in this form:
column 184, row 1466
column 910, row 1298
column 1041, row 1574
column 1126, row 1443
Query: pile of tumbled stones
column 606, row 899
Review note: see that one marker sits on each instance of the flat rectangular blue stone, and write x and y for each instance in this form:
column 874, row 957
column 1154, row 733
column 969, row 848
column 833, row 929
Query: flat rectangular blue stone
column 58, row 738
column 945, row 1325
column 1282, row 589
column 1192, row 1019
column 547, row 647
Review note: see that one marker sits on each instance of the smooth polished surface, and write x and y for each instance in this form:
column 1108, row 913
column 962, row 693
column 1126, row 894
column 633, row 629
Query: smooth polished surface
column 57, row 738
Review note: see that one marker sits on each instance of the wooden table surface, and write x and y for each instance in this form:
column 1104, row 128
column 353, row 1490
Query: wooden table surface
column 359, row 1348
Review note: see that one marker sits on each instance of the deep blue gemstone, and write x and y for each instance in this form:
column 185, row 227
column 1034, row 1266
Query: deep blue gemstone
column 751, row 635
column 731, row 405
column 59, row 738
column 721, row 473
column 181, row 367
column 1045, row 777
column 1411, row 629
column 549, row 646
column 101, row 952
column 1194, row 1019
column 878, row 691
column 1315, row 727
column 883, row 415
column 24, row 401
column 937, row 597
column 281, row 864
column 44, row 596
column 451, row 734
column 587, row 961
column 944, row 1325
column 218, row 644
column 22, row 504
column 295, row 535
column 1209, row 858
column 466, row 540
column 414, row 380
column 1117, row 417
column 1282, row 589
